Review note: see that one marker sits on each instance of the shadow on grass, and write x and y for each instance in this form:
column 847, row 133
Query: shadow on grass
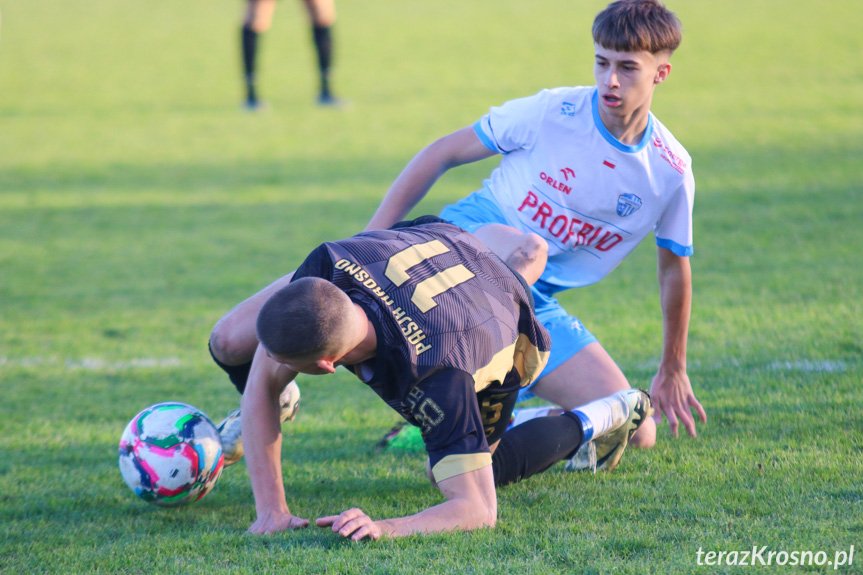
column 340, row 174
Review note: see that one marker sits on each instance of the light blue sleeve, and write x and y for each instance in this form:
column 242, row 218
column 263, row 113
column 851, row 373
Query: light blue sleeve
column 673, row 231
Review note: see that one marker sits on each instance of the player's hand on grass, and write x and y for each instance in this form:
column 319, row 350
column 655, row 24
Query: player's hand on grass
column 352, row 523
column 275, row 521
column 671, row 394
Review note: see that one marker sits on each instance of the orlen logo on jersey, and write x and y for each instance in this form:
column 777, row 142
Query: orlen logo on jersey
column 568, row 230
column 559, row 186
column 676, row 161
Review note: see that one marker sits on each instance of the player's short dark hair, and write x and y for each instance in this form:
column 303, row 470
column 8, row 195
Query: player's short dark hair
column 305, row 319
column 636, row 25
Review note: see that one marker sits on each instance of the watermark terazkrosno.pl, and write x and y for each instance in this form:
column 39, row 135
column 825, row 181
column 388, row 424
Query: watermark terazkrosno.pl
column 758, row 556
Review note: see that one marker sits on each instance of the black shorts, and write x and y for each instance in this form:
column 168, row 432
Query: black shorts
column 495, row 407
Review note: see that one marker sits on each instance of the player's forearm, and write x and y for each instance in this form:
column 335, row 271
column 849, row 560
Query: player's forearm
column 454, row 515
column 262, row 435
column 471, row 504
column 461, row 147
column 675, row 286
column 262, row 442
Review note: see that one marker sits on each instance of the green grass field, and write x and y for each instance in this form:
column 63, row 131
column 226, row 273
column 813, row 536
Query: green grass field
column 138, row 204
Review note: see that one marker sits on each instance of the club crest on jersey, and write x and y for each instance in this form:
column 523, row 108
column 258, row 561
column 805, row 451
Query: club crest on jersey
column 567, row 109
column 627, row 204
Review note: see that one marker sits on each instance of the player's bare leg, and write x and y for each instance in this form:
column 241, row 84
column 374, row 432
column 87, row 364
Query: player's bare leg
column 587, row 376
column 525, row 253
column 259, row 14
column 234, row 339
column 321, row 12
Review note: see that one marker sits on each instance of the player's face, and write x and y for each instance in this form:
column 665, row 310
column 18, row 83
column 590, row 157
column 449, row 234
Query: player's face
column 625, row 81
column 307, row 366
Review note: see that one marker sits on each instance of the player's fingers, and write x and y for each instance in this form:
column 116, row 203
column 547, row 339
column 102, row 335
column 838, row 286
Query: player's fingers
column 355, row 515
column 672, row 422
column 298, row 522
column 326, row 521
column 353, row 525
column 657, row 408
column 684, row 416
column 369, row 530
column 338, row 521
column 687, row 421
column 700, row 410
column 351, row 513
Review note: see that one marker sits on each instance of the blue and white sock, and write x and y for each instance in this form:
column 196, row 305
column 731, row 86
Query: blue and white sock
column 603, row 415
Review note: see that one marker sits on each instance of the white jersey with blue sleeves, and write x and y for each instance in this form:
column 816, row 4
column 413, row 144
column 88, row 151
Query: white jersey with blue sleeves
column 565, row 177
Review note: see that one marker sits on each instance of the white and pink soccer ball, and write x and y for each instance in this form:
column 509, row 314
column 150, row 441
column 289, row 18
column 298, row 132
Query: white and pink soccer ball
column 171, row 454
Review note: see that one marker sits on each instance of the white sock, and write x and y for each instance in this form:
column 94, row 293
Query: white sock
column 603, row 415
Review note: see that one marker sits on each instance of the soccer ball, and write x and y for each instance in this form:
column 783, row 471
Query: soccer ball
column 171, row 454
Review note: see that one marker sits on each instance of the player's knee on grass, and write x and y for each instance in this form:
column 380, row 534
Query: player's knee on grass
column 645, row 437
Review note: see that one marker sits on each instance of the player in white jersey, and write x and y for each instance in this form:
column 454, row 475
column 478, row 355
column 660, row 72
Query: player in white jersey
column 591, row 198
column 586, row 173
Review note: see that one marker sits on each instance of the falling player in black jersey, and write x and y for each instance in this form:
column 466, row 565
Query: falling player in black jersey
column 445, row 333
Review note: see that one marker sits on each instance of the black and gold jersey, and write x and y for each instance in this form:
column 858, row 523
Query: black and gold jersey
column 451, row 319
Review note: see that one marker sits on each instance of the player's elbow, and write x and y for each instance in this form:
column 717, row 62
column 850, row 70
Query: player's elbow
column 485, row 510
column 478, row 517
column 490, row 517
column 477, row 511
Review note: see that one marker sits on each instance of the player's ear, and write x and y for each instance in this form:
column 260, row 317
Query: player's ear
column 662, row 72
column 326, row 364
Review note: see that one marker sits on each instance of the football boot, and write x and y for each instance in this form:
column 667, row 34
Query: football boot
column 230, row 429
column 604, row 452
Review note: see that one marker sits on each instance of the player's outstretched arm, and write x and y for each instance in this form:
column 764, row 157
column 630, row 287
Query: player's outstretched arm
column 471, row 504
column 262, row 442
column 461, row 147
column 671, row 391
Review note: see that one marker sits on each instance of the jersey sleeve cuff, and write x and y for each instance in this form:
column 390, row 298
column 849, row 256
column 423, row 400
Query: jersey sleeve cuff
column 483, row 137
column 453, row 465
column 677, row 249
